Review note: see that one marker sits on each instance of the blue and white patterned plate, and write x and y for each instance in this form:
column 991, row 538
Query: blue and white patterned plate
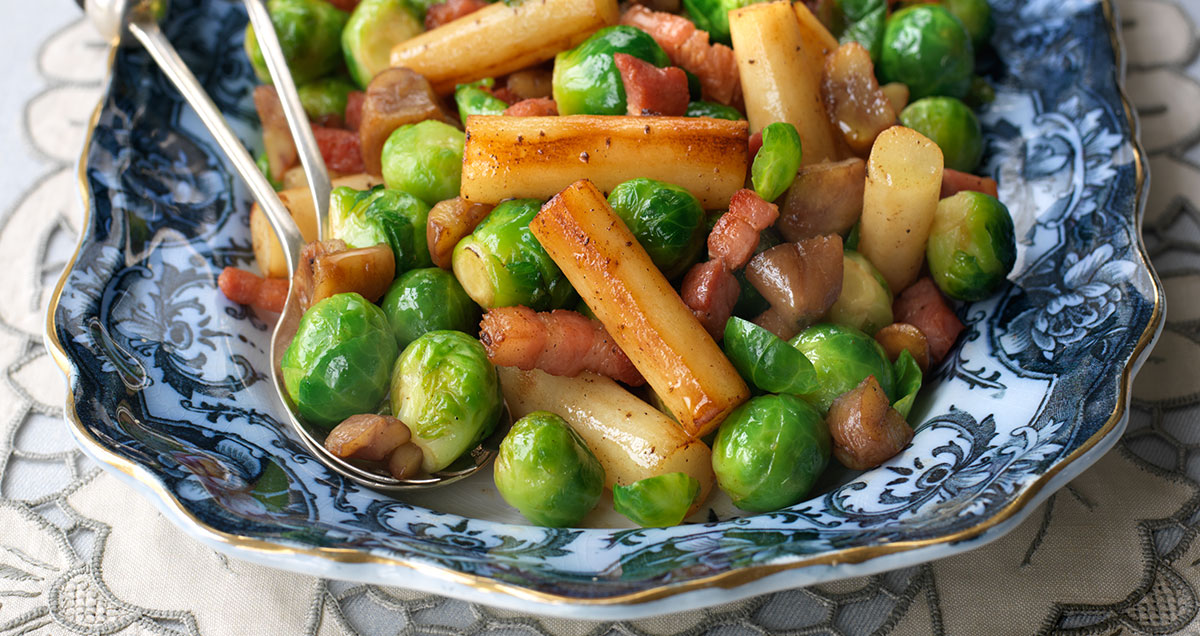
column 169, row 381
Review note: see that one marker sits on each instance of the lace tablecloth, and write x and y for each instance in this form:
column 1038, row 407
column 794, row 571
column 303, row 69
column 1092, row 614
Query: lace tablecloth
column 1115, row 552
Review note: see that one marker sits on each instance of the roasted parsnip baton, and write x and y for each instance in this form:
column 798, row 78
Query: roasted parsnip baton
column 781, row 75
column 904, row 180
column 631, row 439
column 639, row 308
column 501, row 38
column 537, row 157
column 299, row 203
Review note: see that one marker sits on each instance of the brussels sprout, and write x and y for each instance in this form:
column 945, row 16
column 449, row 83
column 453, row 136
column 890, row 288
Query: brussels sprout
column 908, row 382
column 971, row 245
column 713, row 16
column 776, row 163
column 373, row 28
column 842, row 356
column 447, row 392
column 951, row 125
column 766, row 361
column 864, row 23
column 928, row 49
column 666, row 219
column 545, row 470
column 770, row 451
column 866, row 301
column 713, row 110
column 657, row 502
column 851, row 242
column 340, row 360
column 501, row 264
column 424, row 160
column 325, row 97
column 309, row 32
column 381, row 215
column 976, row 17
column 980, row 93
column 472, row 99
column 586, row 79
column 428, row 299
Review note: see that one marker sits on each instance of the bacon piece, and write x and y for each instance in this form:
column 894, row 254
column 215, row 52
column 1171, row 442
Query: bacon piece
column 537, row 107
column 248, row 288
column 755, row 144
column 650, row 90
column 688, row 48
column 449, row 11
column 923, row 306
column 800, row 280
column 344, row 5
column 735, row 235
column 559, row 342
column 710, row 290
column 509, row 96
column 354, row 109
column 340, row 149
column 866, row 430
column 954, row 182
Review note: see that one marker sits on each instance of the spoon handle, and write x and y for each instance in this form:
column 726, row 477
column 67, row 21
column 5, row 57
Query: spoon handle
column 152, row 38
column 306, row 143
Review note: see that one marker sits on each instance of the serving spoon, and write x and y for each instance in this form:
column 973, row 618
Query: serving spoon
column 126, row 21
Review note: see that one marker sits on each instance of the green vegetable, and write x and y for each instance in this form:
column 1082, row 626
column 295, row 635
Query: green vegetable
column 501, row 264
column 928, row 49
column 340, row 360
column 908, row 382
column 473, row 99
column 428, row 299
column 714, row 110
column 976, row 17
column 373, row 29
column 851, row 242
column 971, row 245
column 770, row 451
column 776, row 163
column 843, row 357
column 586, row 80
column 309, row 33
column 424, row 160
column 866, row 301
column 713, row 16
column 766, row 361
column 447, row 392
column 666, row 219
column 546, row 471
column 657, row 502
column 952, row 126
column 325, row 97
column 381, row 215
column 864, row 22
column 980, row 93
column 264, row 166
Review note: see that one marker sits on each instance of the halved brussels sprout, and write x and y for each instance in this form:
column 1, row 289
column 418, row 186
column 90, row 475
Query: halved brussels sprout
column 976, row 16
column 842, row 357
column 770, row 451
column 928, row 49
column 501, row 264
column 547, row 472
column 325, row 97
column 766, row 361
column 424, row 160
column 713, row 16
column 865, row 302
column 864, row 22
column 473, row 99
column 340, row 360
column 586, row 79
column 428, row 299
column 447, row 392
column 908, row 382
column 713, row 110
column 657, row 502
column 952, row 126
column 666, row 219
column 971, row 245
column 775, row 165
column 382, row 215
column 373, row 29
column 309, row 33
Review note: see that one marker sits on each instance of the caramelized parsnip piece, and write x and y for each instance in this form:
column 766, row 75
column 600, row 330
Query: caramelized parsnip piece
column 405, row 461
column 367, row 436
column 277, row 137
column 814, row 32
column 853, row 99
column 449, row 221
column 901, row 336
column 897, row 94
column 514, row 36
column 535, row 157
column 639, row 308
column 826, row 198
column 866, row 430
